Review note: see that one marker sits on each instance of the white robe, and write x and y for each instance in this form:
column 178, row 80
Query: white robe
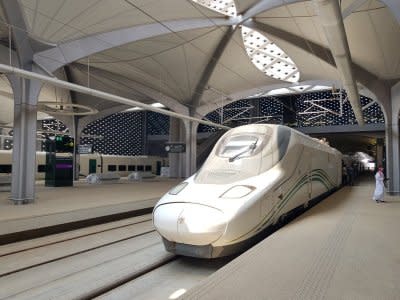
column 379, row 188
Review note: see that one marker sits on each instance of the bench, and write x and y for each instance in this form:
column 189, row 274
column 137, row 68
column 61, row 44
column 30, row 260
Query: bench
column 95, row 178
column 5, row 183
column 138, row 175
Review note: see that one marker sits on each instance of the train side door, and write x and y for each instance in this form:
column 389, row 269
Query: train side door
column 92, row 166
column 158, row 172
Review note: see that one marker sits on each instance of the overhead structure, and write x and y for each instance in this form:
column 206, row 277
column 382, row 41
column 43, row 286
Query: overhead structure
column 88, row 91
column 190, row 56
column 331, row 19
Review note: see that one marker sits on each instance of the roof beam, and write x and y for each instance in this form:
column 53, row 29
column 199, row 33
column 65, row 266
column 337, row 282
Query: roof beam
column 356, row 4
column 71, row 51
column 14, row 16
column 209, row 69
column 361, row 75
column 321, row 52
column 100, row 94
column 332, row 22
column 315, row 49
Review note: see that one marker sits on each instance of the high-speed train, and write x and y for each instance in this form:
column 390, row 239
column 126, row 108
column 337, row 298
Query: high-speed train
column 255, row 175
column 94, row 163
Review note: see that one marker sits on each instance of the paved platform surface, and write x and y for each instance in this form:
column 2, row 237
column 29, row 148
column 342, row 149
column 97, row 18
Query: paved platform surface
column 346, row 247
column 61, row 205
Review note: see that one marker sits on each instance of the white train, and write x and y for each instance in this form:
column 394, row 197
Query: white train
column 94, row 163
column 255, row 175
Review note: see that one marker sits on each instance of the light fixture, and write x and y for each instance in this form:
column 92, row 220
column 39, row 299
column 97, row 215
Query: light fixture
column 66, row 109
column 159, row 105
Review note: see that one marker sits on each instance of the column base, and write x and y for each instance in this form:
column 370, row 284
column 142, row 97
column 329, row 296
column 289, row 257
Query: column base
column 22, row 201
column 393, row 193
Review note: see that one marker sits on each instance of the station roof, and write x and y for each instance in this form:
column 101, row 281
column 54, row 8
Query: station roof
column 189, row 56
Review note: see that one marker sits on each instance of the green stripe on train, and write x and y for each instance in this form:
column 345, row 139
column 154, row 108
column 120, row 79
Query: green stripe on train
column 318, row 175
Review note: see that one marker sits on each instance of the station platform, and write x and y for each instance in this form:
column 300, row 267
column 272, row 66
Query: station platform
column 82, row 205
column 345, row 247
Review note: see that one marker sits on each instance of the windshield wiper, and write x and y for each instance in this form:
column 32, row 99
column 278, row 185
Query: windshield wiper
column 252, row 146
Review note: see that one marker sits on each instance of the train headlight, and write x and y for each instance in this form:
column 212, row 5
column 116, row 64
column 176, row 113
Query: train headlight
column 177, row 189
column 238, row 191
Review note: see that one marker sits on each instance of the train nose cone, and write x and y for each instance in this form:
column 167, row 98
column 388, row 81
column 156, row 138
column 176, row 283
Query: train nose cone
column 189, row 223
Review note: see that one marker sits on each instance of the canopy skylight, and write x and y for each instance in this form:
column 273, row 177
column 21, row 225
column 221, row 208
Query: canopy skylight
column 268, row 57
column 226, row 7
column 298, row 89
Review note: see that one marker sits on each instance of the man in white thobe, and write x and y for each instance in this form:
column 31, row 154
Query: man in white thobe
column 379, row 186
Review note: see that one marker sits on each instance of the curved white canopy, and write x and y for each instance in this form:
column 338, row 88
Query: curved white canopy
column 178, row 50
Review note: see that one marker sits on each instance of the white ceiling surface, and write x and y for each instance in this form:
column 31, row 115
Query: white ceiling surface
column 172, row 64
column 61, row 20
column 372, row 32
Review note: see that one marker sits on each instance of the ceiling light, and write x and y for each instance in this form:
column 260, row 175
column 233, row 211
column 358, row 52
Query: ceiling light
column 132, row 109
column 159, row 105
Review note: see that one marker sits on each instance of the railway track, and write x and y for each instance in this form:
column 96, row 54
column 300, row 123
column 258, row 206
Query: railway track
column 121, row 259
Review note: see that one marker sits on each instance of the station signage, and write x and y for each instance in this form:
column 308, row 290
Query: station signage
column 85, row 149
column 175, row 147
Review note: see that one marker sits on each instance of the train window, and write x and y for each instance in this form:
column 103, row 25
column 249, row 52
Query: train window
column 5, row 168
column 148, row 168
column 243, row 145
column 112, row 168
column 41, row 168
column 131, row 168
column 121, row 168
column 140, row 168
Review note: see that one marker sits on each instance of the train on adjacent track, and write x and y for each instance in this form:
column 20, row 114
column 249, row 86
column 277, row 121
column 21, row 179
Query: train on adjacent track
column 94, row 163
column 255, row 176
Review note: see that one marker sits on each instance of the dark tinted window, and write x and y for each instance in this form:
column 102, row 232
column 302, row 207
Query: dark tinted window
column 112, row 168
column 5, row 168
column 121, row 168
column 41, row 168
column 148, row 168
column 131, row 168
column 140, row 168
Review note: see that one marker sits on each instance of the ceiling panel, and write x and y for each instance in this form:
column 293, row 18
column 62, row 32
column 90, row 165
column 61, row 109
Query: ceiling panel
column 243, row 5
column 388, row 33
column 174, row 9
column 374, row 39
column 300, row 20
column 61, row 20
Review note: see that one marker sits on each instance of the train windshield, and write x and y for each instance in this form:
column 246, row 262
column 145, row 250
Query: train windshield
column 237, row 156
column 239, row 146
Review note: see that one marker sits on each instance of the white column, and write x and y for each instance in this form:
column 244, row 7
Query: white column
column 174, row 158
column 26, row 93
column 393, row 159
column 379, row 152
column 191, row 147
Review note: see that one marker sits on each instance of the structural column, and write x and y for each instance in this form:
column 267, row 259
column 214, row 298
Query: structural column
column 393, row 135
column 191, row 148
column 379, row 152
column 26, row 93
column 77, row 137
column 174, row 158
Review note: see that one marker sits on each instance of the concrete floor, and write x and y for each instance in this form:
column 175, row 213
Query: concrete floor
column 60, row 205
column 346, row 247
